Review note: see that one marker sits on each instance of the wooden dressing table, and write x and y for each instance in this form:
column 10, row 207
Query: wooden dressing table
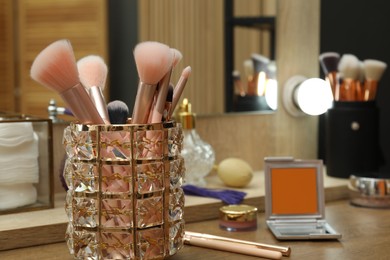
column 365, row 232
column 366, row 235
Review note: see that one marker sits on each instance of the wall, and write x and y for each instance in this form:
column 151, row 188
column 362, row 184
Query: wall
column 27, row 27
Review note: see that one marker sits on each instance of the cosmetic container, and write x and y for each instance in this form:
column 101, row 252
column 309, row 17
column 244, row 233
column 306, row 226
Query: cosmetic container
column 238, row 217
column 352, row 139
column 125, row 199
column 369, row 190
column 26, row 159
column 198, row 155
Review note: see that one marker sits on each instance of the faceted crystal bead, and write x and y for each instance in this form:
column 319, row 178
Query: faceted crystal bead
column 148, row 144
column 69, row 237
column 149, row 212
column 176, row 234
column 176, row 205
column 85, row 245
column 175, row 140
column 150, row 177
column 115, row 146
column 117, row 213
column 176, row 173
column 116, row 245
column 69, row 205
column 85, row 213
column 150, row 243
column 116, row 179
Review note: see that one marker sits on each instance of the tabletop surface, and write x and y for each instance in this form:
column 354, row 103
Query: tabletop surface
column 365, row 235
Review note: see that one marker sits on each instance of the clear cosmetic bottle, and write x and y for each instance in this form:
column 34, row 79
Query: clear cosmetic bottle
column 199, row 156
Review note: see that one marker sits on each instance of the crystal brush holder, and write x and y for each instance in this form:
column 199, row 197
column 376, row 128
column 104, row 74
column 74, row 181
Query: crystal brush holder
column 125, row 199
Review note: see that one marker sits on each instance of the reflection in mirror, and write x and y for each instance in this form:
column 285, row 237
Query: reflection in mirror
column 249, row 56
column 111, row 29
column 258, row 90
column 200, row 33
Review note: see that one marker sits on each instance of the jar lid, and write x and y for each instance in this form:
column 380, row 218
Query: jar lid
column 238, row 213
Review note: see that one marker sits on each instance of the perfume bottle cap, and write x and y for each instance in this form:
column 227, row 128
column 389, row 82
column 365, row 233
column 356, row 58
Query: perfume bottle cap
column 185, row 116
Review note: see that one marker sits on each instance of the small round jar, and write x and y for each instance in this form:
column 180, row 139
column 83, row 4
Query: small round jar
column 238, row 218
column 372, row 192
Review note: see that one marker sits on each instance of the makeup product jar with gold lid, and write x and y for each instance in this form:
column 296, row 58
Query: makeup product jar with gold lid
column 238, row 218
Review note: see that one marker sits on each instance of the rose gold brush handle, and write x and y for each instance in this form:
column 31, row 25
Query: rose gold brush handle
column 231, row 247
column 369, row 89
column 348, row 90
column 97, row 98
column 286, row 251
column 81, row 105
column 334, row 84
column 143, row 103
column 158, row 108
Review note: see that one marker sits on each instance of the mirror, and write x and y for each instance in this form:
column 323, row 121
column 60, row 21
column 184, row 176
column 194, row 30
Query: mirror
column 212, row 43
column 112, row 29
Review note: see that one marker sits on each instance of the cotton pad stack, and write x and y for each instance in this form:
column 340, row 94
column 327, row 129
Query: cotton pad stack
column 19, row 168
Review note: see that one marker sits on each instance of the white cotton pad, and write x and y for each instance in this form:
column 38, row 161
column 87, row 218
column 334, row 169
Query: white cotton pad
column 17, row 195
column 19, row 163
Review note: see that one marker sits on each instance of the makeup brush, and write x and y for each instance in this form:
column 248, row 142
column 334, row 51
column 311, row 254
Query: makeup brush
column 249, row 71
column 177, row 56
column 260, row 62
column 178, row 90
column 349, row 70
column 93, row 74
column 168, row 104
column 55, row 68
column 360, row 82
column 238, row 88
column 153, row 60
column 329, row 63
column 118, row 112
column 373, row 71
column 162, row 91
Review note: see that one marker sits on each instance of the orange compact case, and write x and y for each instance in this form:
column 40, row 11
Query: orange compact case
column 294, row 202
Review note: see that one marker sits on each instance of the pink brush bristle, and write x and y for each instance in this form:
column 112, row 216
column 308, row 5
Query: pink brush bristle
column 92, row 71
column 55, row 67
column 177, row 56
column 153, row 60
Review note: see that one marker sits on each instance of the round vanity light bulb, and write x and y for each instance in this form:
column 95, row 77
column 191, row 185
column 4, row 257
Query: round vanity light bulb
column 314, row 96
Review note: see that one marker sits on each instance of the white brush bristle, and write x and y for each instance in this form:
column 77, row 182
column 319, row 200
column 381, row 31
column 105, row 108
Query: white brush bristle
column 374, row 69
column 361, row 71
column 55, row 67
column 260, row 58
column 236, row 74
column 153, row 60
column 349, row 66
column 92, row 71
column 249, row 68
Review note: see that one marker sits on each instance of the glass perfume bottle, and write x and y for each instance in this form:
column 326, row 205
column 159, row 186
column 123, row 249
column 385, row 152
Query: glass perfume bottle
column 199, row 156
